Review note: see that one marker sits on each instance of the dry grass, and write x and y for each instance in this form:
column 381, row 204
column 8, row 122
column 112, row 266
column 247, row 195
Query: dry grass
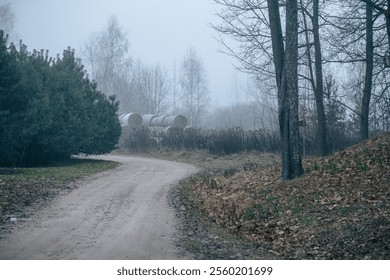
column 23, row 188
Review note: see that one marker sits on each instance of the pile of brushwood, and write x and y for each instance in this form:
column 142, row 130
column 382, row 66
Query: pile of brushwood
column 340, row 208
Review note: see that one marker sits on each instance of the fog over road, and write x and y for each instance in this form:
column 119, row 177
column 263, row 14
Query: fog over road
column 118, row 214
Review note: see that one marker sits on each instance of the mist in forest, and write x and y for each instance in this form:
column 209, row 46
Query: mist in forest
column 157, row 32
column 216, row 62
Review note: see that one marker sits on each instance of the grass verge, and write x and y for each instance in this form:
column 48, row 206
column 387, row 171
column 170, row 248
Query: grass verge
column 23, row 188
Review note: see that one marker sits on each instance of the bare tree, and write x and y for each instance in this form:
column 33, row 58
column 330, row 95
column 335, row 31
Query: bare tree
column 7, row 19
column 139, row 88
column 105, row 56
column 151, row 88
column 311, row 11
column 360, row 34
column 90, row 54
column 265, row 106
column 383, row 7
column 257, row 27
column 367, row 91
column 293, row 164
column 286, row 72
column 161, row 89
column 194, row 87
column 366, row 98
column 247, row 23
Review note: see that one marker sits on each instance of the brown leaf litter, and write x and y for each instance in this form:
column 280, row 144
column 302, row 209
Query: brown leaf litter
column 338, row 210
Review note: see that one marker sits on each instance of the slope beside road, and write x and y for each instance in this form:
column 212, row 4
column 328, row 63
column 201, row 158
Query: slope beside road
column 117, row 214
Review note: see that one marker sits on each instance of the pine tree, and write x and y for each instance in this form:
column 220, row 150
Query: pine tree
column 49, row 110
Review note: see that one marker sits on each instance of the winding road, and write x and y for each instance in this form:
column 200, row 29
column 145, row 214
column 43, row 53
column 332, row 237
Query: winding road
column 118, row 214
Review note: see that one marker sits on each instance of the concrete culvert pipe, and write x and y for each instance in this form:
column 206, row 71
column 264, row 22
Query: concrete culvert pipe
column 175, row 121
column 132, row 120
column 147, row 119
column 120, row 117
column 158, row 121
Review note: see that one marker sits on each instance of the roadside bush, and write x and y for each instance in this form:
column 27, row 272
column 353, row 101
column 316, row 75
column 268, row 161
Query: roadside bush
column 230, row 140
column 140, row 140
column 227, row 141
column 221, row 142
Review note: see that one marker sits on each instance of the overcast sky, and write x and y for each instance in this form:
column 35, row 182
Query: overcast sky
column 159, row 31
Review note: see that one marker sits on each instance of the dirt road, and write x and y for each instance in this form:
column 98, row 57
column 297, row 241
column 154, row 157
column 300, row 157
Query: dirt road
column 118, row 214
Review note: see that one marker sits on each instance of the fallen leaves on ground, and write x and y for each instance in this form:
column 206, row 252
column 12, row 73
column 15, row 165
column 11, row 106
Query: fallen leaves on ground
column 338, row 210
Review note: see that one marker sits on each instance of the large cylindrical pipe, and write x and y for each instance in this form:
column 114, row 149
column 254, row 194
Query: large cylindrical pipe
column 179, row 121
column 158, row 121
column 120, row 117
column 175, row 121
column 132, row 120
column 147, row 119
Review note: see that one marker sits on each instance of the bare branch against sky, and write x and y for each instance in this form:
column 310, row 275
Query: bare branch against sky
column 158, row 31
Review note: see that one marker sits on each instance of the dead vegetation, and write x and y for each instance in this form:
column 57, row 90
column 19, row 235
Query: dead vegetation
column 338, row 210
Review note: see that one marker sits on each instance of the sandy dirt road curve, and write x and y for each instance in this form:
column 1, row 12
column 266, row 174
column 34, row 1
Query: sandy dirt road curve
column 118, row 214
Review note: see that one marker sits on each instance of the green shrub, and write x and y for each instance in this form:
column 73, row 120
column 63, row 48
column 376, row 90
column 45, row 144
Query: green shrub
column 50, row 110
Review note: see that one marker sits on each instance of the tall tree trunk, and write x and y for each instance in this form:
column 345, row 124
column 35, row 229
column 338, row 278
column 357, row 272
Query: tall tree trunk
column 387, row 15
column 286, row 71
column 277, row 41
column 316, row 79
column 291, row 77
column 365, row 106
column 319, row 89
column 278, row 57
column 385, row 12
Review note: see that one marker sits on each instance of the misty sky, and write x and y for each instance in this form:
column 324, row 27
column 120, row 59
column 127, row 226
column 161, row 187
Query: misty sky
column 159, row 31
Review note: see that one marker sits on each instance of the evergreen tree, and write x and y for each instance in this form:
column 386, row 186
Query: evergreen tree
column 50, row 110
column 10, row 147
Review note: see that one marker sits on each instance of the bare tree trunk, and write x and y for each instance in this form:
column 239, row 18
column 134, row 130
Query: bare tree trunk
column 286, row 71
column 278, row 55
column 291, row 76
column 277, row 41
column 317, row 81
column 319, row 90
column 387, row 15
column 385, row 12
column 365, row 106
column 194, row 87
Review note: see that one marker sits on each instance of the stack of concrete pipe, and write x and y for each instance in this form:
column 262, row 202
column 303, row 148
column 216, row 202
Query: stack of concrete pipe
column 134, row 120
column 179, row 121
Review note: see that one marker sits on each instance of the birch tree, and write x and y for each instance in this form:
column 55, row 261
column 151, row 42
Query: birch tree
column 105, row 55
column 194, row 87
column 150, row 87
column 7, row 19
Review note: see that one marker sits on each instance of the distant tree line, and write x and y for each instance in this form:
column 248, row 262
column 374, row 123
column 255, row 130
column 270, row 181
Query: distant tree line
column 142, row 88
column 49, row 109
